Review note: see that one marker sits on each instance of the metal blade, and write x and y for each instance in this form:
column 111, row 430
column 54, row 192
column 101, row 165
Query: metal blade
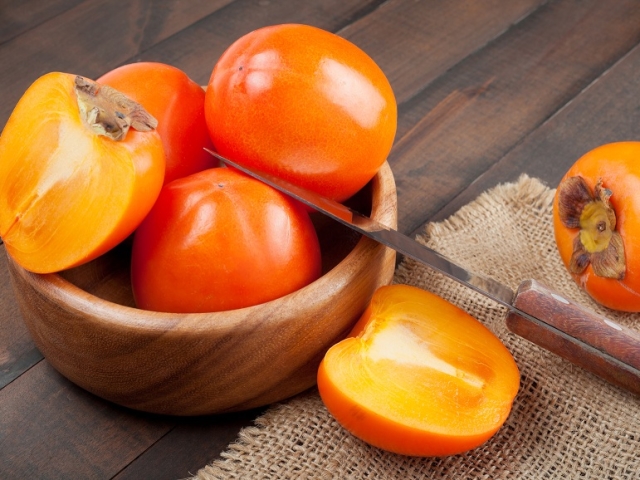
column 383, row 234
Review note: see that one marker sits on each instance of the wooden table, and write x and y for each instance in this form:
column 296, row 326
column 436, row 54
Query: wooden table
column 486, row 91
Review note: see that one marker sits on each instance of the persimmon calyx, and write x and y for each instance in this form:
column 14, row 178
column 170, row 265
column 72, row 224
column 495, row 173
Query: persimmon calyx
column 109, row 112
column 597, row 243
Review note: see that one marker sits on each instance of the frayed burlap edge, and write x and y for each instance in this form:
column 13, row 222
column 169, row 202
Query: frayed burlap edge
column 565, row 423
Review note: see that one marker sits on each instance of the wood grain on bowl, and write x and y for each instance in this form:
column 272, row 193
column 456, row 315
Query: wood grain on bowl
column 85, row 324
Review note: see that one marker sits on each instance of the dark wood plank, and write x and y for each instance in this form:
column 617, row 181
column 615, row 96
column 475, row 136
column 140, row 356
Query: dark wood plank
column 607, row 111
column 470, row 117
column 17, row 351
column 411, row 61
column 441, row 35
column 86, row 437
column 197, row 48
column 188, row 447
column 18, row 17
column 91, row 39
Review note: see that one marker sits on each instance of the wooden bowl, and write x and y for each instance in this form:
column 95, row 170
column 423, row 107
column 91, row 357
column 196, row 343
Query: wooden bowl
column 85, row 323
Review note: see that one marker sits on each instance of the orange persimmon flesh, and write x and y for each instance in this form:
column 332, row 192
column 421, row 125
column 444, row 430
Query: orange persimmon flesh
column 419, row 376
column 67, row 193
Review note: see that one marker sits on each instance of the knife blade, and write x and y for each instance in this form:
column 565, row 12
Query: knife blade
column 535, row 312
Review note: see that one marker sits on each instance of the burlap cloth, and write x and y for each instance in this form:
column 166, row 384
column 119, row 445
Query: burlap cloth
column 565, row 423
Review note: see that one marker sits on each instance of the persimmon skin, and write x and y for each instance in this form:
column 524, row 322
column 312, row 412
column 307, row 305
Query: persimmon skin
column 220, row 240
column 617, row 165
column 303, row 104
column 67, row 194
column 177, row 102
column 418, row 376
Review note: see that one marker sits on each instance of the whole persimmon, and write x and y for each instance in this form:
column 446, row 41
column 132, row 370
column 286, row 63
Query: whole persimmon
column 177, row 102
column 80, row 167
column 220, row 240
column 303, row 104
column 419, row 376
column 596, row 218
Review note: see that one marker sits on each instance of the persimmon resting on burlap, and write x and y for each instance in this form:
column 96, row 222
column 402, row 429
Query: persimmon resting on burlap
column 596, row 216
column 80, row 167
column 419, row 376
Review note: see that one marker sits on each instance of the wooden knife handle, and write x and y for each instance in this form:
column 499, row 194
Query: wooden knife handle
column 612, row 351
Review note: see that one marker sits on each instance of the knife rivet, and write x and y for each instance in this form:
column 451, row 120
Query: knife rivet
column 612, row 324
column 560, row 299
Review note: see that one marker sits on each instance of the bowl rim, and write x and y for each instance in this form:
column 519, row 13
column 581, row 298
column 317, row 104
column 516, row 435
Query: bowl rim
column 61, row 291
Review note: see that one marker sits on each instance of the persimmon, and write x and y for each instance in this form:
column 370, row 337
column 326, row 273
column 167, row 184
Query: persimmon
column 303, row 104
column 419, row 376
column 80, row 167
column 596, row 218
column 221, row 240
column 177, row 102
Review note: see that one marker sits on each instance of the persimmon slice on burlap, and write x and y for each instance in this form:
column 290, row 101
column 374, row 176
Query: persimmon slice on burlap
column 419, row 376
column 75, row 179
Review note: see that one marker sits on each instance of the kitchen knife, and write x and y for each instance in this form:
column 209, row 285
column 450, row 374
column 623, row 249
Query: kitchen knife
column 595, row 343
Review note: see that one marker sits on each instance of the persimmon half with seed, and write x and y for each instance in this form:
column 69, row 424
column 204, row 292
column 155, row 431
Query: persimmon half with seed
column 80, row 167
column 419, row 376
column 596, row 218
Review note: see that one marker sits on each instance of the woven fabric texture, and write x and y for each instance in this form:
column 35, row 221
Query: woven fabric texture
column 565, row 423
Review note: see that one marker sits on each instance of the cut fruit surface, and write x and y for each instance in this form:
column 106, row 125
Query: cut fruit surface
column 419, row 376
column 68, row 193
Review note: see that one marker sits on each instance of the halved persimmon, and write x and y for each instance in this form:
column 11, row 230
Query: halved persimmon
column 75, row 179
column 419, row 376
